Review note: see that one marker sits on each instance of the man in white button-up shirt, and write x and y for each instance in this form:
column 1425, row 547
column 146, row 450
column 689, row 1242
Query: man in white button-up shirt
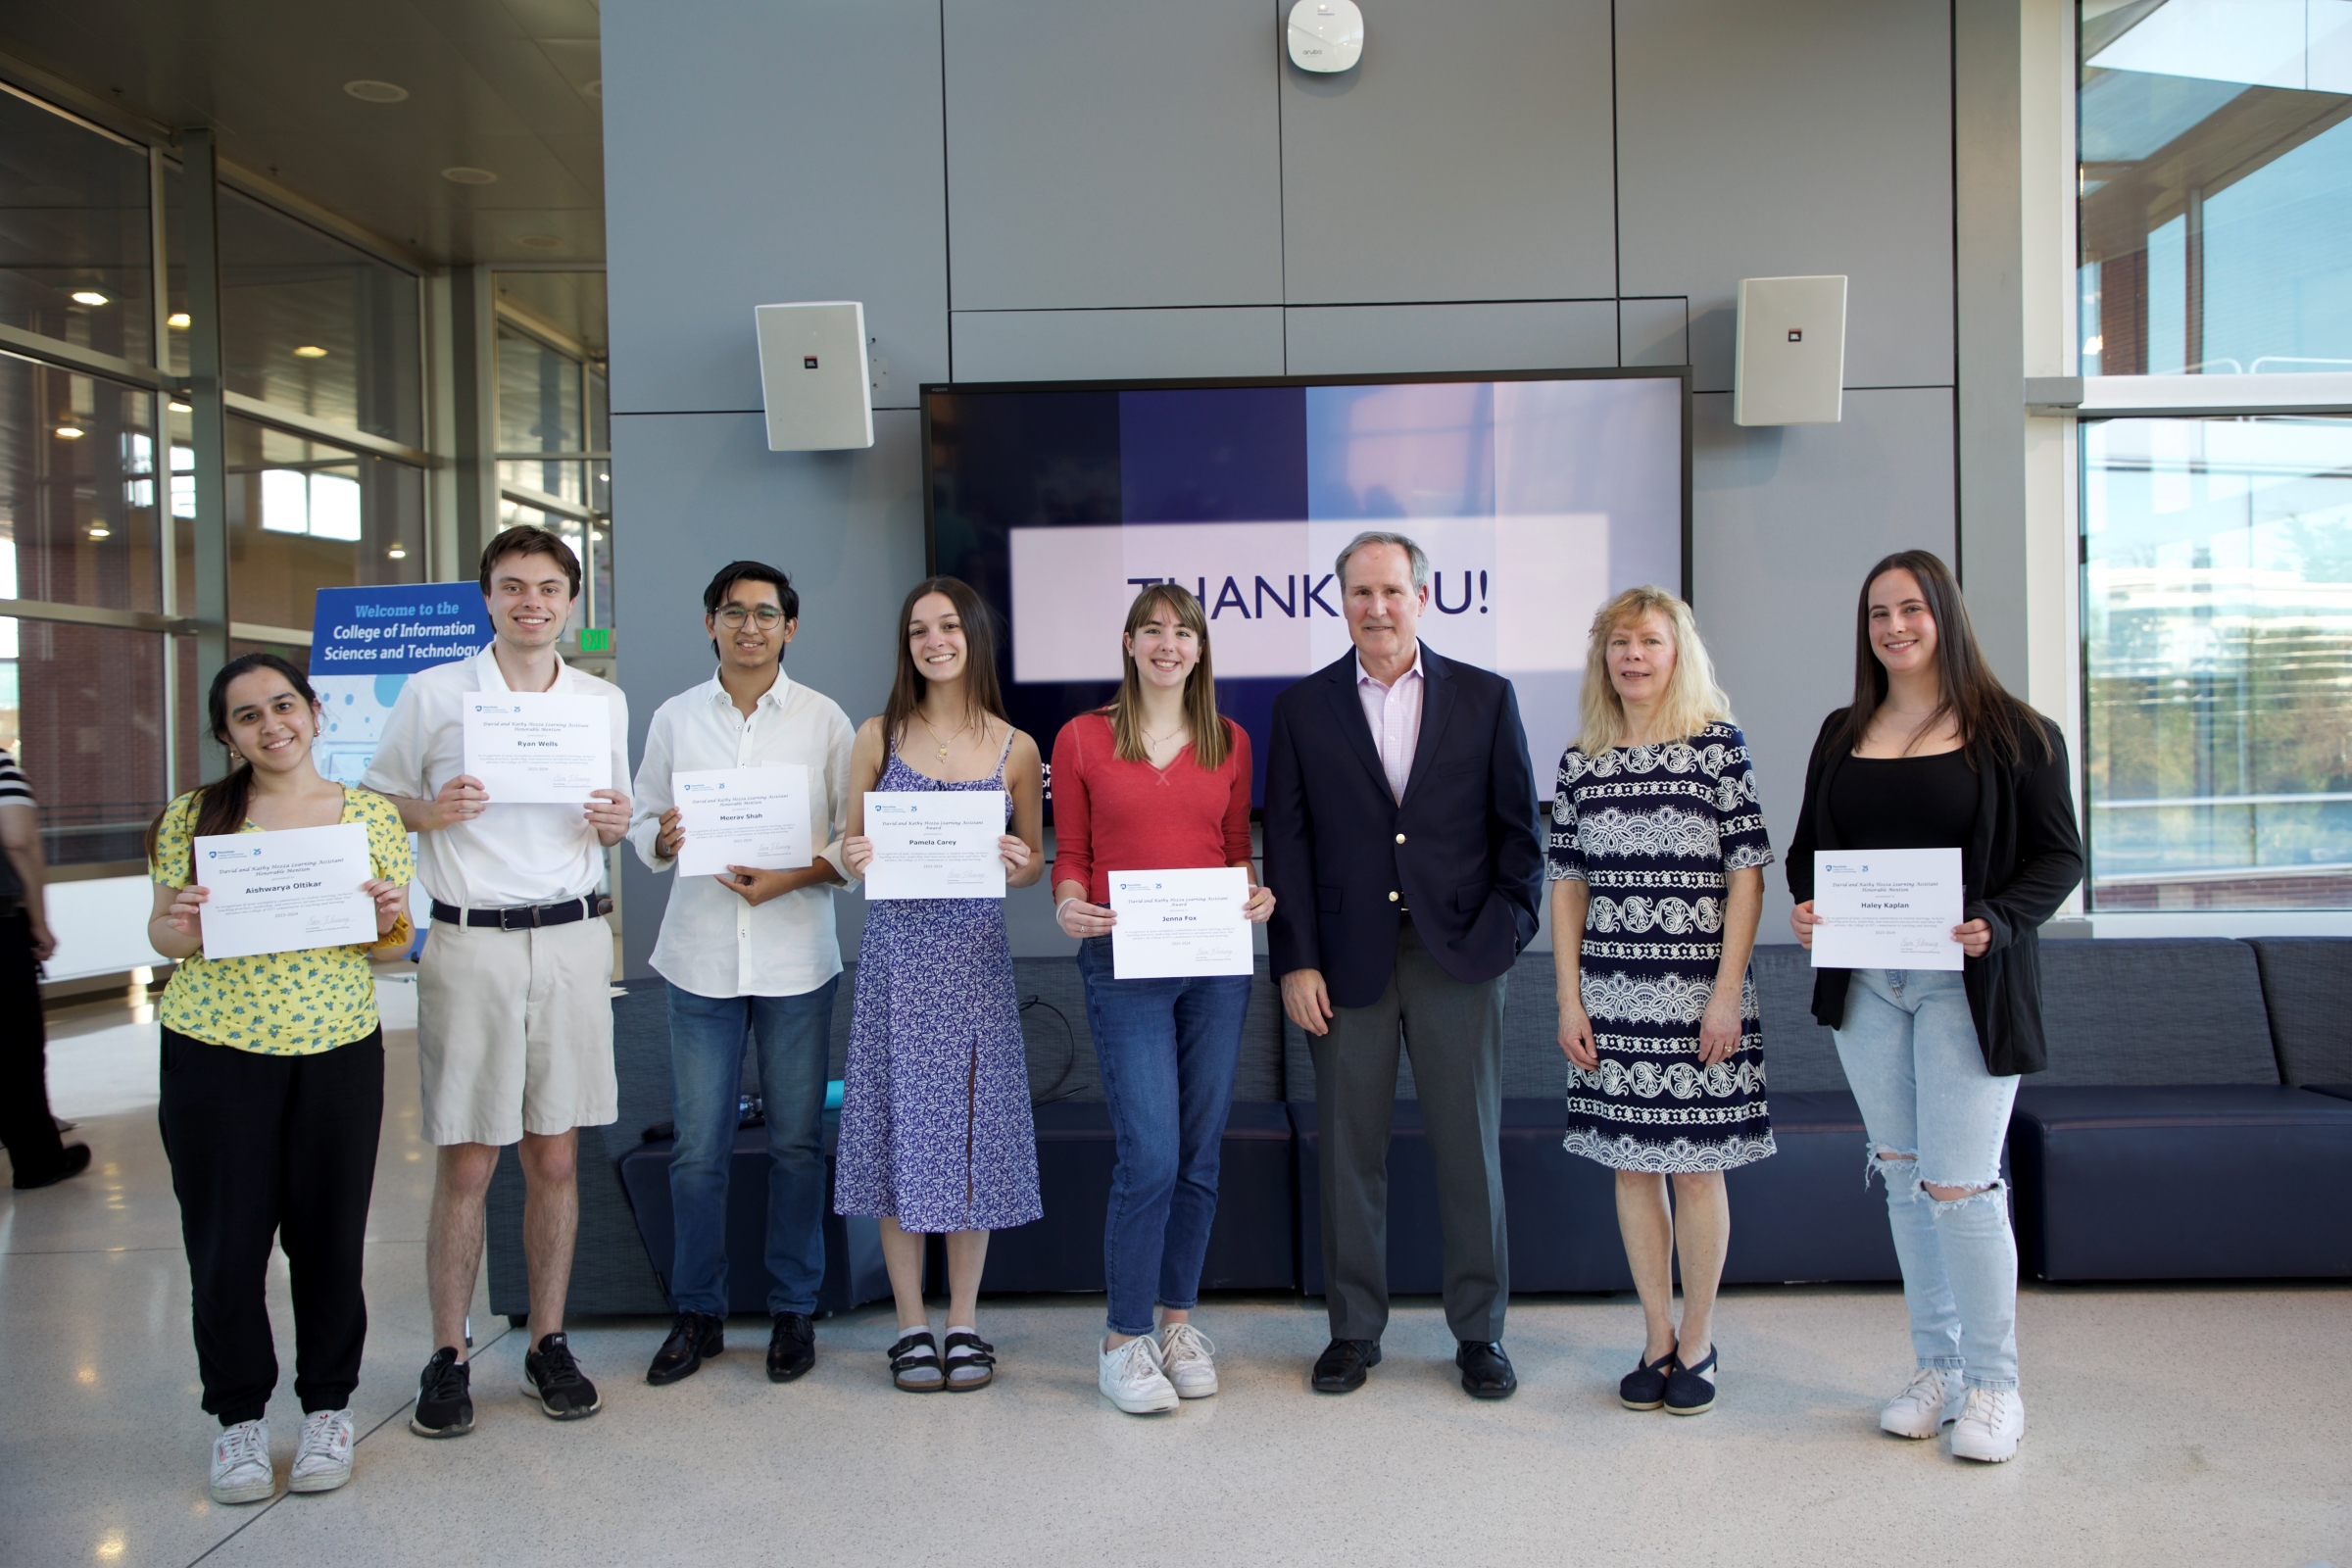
column 751, row 951
column 514, row 992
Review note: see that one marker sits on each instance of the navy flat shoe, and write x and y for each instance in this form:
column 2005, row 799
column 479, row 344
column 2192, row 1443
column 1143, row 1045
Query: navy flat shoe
column 1644, row 1387
column 1690, row 1390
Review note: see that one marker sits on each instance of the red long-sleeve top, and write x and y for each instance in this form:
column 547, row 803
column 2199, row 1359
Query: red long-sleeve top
column 1110, row 816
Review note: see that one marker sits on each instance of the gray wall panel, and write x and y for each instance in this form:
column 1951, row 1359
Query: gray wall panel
column 1521, row 335
column 1108, row 345
column 1112, row 154
column 1806, row 136
column 1784, row 522
column 1467, row 158
column 758, row 151
column 701, row 490
column 1654, row 331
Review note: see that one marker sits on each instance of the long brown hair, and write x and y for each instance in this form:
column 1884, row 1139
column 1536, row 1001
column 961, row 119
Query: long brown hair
column 1211, row 741
column 1991, row 722
column 221, row 806
column 981, row 694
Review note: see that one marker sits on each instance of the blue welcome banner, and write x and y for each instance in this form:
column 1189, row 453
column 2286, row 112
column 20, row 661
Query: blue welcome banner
column 364, row 645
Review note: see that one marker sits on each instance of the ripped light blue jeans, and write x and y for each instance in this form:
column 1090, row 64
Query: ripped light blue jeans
column 1910, row 1053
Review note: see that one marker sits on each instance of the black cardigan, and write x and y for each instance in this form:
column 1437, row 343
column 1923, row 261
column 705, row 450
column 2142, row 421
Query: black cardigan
column 2022, row 860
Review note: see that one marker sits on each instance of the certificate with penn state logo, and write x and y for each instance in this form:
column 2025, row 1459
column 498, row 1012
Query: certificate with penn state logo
column 538, row 748
column 286, row 891
column 755, row 816
column 935, row 843
column 1176, row 924
column 1887, row 909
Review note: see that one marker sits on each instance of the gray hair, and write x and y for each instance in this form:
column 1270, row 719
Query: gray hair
column 1419, row 557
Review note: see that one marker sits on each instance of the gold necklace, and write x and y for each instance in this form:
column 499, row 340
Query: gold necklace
column 943, row 745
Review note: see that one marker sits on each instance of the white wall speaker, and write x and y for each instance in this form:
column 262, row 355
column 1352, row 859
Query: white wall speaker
column 1790, row 366
column 813, row 376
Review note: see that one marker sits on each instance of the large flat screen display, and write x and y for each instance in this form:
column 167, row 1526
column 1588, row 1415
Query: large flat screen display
column 1536, row 497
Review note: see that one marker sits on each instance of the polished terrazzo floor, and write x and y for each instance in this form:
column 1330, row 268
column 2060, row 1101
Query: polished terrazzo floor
column 2166, row 1426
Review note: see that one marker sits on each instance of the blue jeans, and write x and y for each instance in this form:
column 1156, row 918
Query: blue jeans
column 705, row 1077
column 1167, row 1050
column 1910, row 1052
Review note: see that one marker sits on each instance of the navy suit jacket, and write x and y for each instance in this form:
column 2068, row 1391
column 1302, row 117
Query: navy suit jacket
column 1460, row 851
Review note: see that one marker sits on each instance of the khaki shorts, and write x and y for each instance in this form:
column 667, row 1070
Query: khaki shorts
column 515, row 1032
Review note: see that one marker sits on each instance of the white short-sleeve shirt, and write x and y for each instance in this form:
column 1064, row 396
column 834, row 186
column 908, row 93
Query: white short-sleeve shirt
column 512, row 854
column 712, row 942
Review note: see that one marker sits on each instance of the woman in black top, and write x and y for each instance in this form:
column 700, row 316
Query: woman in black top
column 1934, row 753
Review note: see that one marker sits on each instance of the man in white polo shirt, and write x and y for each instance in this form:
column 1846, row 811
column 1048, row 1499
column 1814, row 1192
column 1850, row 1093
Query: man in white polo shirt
column 750, row 950
column 513, row 993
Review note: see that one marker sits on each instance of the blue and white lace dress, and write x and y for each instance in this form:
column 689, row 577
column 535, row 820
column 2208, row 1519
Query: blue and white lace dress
column 1654, row 832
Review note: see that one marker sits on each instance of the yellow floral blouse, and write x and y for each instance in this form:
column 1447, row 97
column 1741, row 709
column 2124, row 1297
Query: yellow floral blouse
column 280, row 1003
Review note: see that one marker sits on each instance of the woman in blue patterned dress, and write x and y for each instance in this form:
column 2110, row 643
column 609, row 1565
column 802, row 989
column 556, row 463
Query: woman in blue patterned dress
column 1656, row 863
column 934, row 1128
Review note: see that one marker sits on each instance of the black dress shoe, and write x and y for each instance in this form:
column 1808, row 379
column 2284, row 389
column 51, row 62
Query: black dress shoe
column 792, row 1346
column 72, row 1160
column 1341, row 1366
column 692, row 1336
column 1485, row 1371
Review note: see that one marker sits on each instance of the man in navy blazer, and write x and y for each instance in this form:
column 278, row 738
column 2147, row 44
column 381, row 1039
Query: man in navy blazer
column 1400, row 843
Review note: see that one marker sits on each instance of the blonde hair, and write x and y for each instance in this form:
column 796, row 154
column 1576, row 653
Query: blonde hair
column 1210, row 740
column 1693, row 700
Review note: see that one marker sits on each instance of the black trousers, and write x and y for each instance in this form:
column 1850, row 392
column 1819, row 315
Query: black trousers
column 273, row 1146
column 26, row 1126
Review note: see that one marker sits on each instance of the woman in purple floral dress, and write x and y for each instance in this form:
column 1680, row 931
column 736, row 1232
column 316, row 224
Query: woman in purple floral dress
column 935, row 1127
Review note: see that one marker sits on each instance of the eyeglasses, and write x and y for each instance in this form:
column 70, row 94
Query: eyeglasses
column 767, row 618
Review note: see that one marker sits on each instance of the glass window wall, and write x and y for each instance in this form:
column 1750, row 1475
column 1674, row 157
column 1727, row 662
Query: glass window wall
column 74, row 257
column 81, row 707
column 2217, row 662
column 554, row 399
column 304, row 516
column 78, row 517
column 2215, row 140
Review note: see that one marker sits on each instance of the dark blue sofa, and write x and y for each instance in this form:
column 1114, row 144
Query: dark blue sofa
column 2196, row 1088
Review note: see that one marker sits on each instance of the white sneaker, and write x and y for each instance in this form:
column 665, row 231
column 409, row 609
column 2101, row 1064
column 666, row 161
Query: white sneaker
column 1990, row 1425
column 323, row 1458
column 1929, row 1403
column 241, row 1464
column 1131, row 1379
column 1189, row 1357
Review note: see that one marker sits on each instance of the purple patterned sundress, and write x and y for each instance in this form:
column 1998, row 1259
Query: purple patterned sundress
column 935, row 1126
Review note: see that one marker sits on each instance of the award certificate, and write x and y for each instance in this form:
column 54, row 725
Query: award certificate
column 1178, row 923
column 755, row 816
column 537, row 748
column 935, row 843
column 286, row 892
column 1887, row 909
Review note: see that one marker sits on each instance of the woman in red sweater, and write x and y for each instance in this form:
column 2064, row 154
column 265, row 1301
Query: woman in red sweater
column 1156, row 782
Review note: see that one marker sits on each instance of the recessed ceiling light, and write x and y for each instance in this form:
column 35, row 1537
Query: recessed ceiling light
column 177, row 407
column 69, row 432
column 540, row 242
column 398, row 552
column 463, row 175
column 308, row 351
column 178, row 319
column 376, row 92
column 89, row 296
column 99, row 530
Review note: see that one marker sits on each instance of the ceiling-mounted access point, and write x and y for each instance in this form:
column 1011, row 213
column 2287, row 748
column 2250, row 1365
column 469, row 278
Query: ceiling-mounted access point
column 1325, row 36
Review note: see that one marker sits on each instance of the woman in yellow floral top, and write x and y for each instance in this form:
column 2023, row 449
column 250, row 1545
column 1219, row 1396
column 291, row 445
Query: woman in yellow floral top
column 273, row 1089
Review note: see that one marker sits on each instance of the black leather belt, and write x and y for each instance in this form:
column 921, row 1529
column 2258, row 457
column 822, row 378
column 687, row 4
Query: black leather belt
column 523, row 917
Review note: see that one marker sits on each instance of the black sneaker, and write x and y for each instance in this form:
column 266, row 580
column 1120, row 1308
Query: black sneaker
column 72, row 1160
column 692, row 1336
column 791, row 1346
column 444, row 1397
column 551, row 1376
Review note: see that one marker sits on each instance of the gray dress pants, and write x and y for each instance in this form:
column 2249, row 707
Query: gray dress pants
column 1455, row 1033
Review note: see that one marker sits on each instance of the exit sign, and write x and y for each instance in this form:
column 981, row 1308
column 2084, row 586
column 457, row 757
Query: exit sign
column 596, row 639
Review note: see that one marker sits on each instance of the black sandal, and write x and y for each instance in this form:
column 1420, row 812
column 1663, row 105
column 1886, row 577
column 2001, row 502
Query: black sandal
column 977, row 1352
column 914, row 1352
column 1644, row 1387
